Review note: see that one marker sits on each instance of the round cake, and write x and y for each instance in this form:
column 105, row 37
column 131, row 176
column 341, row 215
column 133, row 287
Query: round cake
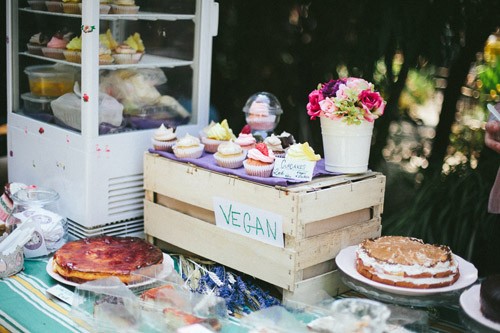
column 489, row 297
column 105, row 256
column 406, row 262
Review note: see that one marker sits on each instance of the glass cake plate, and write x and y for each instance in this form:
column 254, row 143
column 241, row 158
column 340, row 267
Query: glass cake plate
column 346, row 262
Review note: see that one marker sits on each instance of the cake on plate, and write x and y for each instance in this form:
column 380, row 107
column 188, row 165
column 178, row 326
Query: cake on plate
column 489, row 297
column 406, row 262
column 104, row 256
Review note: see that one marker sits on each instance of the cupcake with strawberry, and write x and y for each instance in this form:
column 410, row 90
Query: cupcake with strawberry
column 245, row 139
column 260, row 161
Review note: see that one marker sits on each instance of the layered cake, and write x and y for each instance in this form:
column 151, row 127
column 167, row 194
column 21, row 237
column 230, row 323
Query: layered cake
column 406, row 262
column 105, row 256
column 489, row 297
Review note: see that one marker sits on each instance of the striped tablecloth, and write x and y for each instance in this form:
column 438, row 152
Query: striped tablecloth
column 25, row 306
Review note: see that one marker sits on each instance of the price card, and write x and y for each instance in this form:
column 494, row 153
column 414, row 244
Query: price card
column 293, row 169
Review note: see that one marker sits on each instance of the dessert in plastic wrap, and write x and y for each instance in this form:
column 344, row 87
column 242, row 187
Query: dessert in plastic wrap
column 150, row 305
column 144, row 106
column 275, row 319
column 262, row 113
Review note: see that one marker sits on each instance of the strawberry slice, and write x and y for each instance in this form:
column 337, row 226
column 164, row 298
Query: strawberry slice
column 262, row 148
column 246, row 129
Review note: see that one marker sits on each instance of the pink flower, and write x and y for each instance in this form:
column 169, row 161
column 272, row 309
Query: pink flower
column 313, row 107
column 327, row 106
column 370, row 100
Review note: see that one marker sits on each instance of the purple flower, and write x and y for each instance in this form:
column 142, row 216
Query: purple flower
column 330, row 88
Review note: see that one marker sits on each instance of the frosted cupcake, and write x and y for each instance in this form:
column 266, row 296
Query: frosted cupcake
column 217, row 134
column 131, row 51
column 302, row 152
column 37, row 42
column 229, row 155
column 245, row 139
column 73, row 52
column 260, row 161
column 188, row 147
column 274, row 143
column 164, row 139
column 56, row 47
column 259, row 116
column 124, row 7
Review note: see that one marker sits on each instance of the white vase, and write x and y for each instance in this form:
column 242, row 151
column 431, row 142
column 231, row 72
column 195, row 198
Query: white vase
column 346, row 147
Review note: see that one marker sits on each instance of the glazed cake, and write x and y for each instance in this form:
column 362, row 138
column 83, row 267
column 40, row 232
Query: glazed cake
column 105, row 256
column 406, row 262
column 489, row 297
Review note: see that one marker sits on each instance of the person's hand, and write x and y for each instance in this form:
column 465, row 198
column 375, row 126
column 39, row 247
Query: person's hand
column 492, row 135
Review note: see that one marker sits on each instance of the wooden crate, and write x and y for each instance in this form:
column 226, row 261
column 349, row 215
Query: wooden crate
column 320, row 218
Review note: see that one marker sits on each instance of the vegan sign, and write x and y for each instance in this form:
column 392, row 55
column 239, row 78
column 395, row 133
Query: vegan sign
column 249, row 221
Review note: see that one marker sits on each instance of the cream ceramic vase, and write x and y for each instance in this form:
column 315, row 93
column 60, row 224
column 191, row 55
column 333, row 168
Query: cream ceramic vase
column 346, row 147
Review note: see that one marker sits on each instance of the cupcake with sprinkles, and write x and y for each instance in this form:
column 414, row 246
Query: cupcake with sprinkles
column 260, row 161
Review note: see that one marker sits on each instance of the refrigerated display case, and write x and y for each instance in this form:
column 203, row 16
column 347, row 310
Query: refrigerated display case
column 81, row 125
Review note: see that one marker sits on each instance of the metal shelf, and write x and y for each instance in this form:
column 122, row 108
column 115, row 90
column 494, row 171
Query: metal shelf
column 147, row 16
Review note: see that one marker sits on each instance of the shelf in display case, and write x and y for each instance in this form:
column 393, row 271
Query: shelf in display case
column 147, row 61
column 147, row 16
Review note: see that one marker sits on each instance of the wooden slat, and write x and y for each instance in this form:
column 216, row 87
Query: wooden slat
column 306, row 290
column 336, row 222
column 323, row 247
column 263, row 261
column 341, row 199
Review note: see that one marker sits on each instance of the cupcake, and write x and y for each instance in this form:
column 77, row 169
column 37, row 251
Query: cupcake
column 54, row 6
column 73, row 52
column 260, row 161
column 245, row 139
column 37, row 42
column 302, row 152
column 286, row 139
column 37, row 5
column 57, row 45
column 188, row 147
column 105, row 57
column 274, row 143
column 164, row 139
column 229, row 155
column 107, row 40
column 71, row 6
column 124, row 7
column 217, row 134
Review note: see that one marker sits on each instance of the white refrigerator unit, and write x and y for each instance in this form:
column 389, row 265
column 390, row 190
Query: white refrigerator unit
column 81, row 116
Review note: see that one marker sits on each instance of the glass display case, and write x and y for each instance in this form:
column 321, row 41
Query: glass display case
column 88, row 83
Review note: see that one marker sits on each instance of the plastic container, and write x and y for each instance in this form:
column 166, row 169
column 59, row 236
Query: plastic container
column 51, row 80
column 36, row 105
column 262, row 113
column 39, row 204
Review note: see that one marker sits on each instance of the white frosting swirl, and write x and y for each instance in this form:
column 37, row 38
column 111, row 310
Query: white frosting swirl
column 164, row 134
column 259, row 109
column 273, row 143
column 229, row 148
column 188, row 141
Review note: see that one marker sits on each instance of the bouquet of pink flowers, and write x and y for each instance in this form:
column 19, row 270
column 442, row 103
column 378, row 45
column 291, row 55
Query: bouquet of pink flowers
column 350, row 99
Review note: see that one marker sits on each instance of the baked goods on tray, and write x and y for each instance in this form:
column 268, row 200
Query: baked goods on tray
column 489, row 297
column 105, row 256
column 406, row 262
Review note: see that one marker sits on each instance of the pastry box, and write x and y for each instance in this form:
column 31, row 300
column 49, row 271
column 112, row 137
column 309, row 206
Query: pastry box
column 319, row 218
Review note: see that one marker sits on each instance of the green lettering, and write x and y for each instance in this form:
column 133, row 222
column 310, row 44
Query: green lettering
column 247, row 227
column 258, row 226
column 235, row 219
column 270, row 229
column 226, row 217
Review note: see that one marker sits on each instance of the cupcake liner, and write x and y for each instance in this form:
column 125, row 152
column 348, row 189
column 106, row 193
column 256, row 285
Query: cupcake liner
column 163, row 145
column 231, row 162
column 211, row 145
column 35, row 49
column 53, row 53
column 71, row 8
column 258, row 170
column 121, row 58
column 119, row 9
column 73, row 56
column 188, row 152
column 37, row 5
column 54, row 6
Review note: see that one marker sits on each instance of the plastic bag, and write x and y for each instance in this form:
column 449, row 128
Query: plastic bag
column 134, row 88
column 67, row 109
